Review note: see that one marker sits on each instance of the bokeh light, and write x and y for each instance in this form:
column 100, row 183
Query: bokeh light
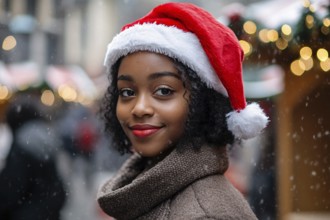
column 263, row 35
column 246, row 46
column 306, row 53
column 250, row 27
column 325, row 65
column 306, row 3
column 286, row 29
column 326, row 22
column 309, row 21
column 308, row 63
column 281, row 44
column 297, row 67
column 4, row 93
column 47, row 98
column 9, row 43
column 322, row 54
column 68, row 93
column 272, row 35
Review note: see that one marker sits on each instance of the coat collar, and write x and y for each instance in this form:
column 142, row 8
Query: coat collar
column 130, row 194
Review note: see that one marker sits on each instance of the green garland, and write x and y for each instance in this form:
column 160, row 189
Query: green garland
column 309, row 31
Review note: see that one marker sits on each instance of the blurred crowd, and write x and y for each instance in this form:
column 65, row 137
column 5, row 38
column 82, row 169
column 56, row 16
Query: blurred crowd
column 52, row 160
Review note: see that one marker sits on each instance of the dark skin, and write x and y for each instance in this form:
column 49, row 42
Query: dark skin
column 206, row 120
column 152, row 106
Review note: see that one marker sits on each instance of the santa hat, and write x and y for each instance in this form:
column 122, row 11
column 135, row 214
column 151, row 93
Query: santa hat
column 193, row 36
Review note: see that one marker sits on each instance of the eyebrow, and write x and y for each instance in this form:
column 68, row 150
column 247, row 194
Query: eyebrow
column 125, row 78
column 153, row 76
column 162, row 74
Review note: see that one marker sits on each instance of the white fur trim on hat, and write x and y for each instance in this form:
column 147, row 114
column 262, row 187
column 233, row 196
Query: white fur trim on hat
column 169, row 41
column 247, row 123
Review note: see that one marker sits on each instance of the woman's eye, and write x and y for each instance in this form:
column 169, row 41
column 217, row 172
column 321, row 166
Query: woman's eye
column 126, row 92
column 164, row 91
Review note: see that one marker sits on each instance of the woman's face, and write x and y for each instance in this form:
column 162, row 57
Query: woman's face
column 153, row 103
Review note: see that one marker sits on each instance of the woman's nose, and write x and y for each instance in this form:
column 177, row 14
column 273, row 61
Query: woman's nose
column 142, row 107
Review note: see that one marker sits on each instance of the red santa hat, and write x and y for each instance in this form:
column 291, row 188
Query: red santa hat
column 193, row 36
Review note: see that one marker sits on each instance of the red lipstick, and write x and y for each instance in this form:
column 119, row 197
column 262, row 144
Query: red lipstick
column 144, row 130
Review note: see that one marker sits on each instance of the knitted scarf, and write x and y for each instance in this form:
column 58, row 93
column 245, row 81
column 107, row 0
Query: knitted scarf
column 131, row 194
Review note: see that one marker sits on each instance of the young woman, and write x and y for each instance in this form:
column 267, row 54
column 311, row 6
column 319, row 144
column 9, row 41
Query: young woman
column 175, row 101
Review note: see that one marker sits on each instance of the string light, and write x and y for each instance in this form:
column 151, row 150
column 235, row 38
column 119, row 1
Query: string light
column 246, row 46
column 312, row 8
column 308, row 57
column 286, row 29
column 47, row 98
column 308, row 63
column 325, row 65
column 9, row 43
column 325, row 30
column 306, row 53
column 263, row 35
column 266, row 35
column 281, row 44
column 272, row 35
column 297, row 67
column 326, row 22
column 250, row 27
column 4, row 93
column 306, row 3
column 322, row 54
column 68, row 93
column 309, row 21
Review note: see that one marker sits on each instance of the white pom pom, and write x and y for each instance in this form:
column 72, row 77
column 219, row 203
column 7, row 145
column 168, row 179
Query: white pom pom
column 248, row 122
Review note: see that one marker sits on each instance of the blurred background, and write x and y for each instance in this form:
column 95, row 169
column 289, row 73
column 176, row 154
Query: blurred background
column 52, row 54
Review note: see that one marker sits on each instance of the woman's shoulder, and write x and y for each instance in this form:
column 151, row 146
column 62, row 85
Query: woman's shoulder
column 212, row 197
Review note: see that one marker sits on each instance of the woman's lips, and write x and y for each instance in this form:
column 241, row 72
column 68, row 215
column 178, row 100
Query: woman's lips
column 144, row 130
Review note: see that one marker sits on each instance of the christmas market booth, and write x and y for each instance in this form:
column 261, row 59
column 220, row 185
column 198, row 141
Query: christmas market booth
column 296, row 39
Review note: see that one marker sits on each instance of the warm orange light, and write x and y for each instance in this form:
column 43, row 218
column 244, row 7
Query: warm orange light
column 308, row 63
column 246, row 46
column 4, row 92
column 281, row 44
column 68, row 93
column 306, row 3
column 325, row 30
column 47, row 98
column 312, row 8
column 272, row 35
column 322, row 54
column 286, row 29
column 250, row 27
column 326, row 22
column 325, row 65
column 309, row 21
column 306, row 53
column 9, row 43
column 263, row 35
column 297, row 67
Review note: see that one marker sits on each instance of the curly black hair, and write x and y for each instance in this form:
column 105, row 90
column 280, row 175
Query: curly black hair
column 206, row 122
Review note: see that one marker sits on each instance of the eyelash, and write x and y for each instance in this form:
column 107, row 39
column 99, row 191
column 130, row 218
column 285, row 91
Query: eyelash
column 158, row 89
column 122, row 91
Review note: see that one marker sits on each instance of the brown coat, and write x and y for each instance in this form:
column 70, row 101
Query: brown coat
column 184, row 185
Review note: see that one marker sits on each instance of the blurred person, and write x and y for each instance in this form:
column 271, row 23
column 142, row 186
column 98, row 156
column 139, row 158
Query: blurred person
column 5, row 141
column 175, row 102
column 262, row 192
column 77, row 129
column 30, row 186
column 82, row 161
column 85, row 160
